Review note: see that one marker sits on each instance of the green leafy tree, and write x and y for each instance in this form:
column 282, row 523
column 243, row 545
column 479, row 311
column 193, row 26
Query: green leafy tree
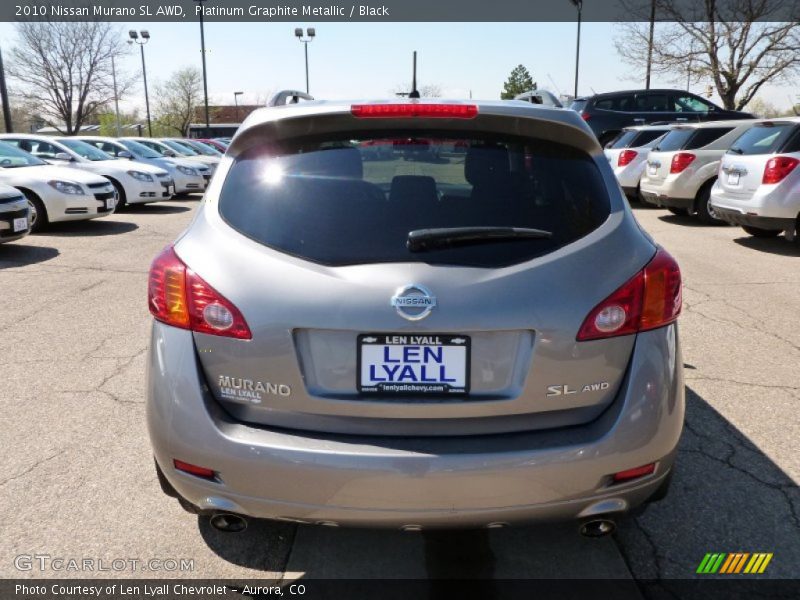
column 519, row 81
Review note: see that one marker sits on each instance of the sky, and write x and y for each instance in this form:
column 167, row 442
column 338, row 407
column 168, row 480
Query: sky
column 370, row 60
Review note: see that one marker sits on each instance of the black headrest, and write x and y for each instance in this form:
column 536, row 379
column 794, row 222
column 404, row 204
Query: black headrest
column 406, row 188
column 26, row 146
column 334, row 162
column 486, row 165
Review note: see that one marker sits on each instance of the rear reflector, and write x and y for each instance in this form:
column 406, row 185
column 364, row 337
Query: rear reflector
column 585, row 116
column 625, row 157
column 634, row 473
column 778, row 168
column 194, row 469
column 401, row 111
column 177, row 296
column 650, row 299
column 680, row 161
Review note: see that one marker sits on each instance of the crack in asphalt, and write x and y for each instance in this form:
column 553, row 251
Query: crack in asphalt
column 124, row 364
column 759, row 325
column 34, row 466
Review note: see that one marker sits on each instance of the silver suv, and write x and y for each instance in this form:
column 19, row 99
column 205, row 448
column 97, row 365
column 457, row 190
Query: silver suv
column 481, row 336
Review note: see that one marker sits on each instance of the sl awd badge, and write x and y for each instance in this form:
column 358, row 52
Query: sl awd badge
column 413, row 302
column 565, row 390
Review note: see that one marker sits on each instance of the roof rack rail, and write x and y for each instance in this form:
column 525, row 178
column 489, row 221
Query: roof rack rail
column 288, row 97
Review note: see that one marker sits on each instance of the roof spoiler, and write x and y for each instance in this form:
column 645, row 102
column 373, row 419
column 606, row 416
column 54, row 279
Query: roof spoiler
column 288, row 97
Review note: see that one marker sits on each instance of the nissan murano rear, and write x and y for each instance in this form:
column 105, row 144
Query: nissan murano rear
column 475, row 335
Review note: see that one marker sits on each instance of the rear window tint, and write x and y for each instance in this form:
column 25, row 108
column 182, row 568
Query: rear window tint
column 623, row 140
column 674, row 140
column 705, row 135
column 646, row 136
column 355, row 200
column 762, row 139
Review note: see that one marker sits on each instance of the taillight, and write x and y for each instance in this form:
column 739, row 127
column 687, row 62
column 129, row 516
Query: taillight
column 179, row 297
column 625, row 157
column 680, row 161
column 585, row 116
column 778, row 168
column 414, row 109
column 650, row 299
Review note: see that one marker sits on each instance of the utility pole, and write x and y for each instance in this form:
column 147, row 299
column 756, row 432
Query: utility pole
column 116, row 96
column 414, row 91
column 650, row 43
column 4, row 97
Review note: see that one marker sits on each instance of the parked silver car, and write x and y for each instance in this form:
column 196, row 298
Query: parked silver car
column 481, row 339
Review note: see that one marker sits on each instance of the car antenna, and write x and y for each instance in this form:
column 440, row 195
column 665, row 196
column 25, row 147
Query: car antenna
column 414, row 91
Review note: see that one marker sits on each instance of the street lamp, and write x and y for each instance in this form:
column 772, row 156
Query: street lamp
column 145, row 37
column 579, row 5
column 236, row 102
column 311, row 33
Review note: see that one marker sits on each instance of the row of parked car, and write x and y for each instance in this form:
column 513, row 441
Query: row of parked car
column 50, row 179
column 741, row 172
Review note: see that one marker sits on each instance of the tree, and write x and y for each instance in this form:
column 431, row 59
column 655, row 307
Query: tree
column 736, row 45
column 431, row 90
column 519, row 81
column 763, row 109
column 178, row 99
column 64, row 70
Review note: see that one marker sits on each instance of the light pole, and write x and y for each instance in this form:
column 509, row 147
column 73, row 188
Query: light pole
column 145, row 37
column 311, row 33
column 579, row 5
column 4, row 98
column 236, row 102
column 203, row 52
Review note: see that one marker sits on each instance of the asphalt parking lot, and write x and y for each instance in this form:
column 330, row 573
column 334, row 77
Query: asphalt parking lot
column 78, row 481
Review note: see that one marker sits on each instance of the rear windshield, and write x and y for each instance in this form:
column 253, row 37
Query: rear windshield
column 762, row 139
column 623, row 140
column 646, row 136
column 674, row 140
column 355, row 200
column 703, row 136
column 578, row 105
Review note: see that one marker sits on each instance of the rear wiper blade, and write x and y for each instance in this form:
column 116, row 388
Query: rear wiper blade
column 736, row 150
column 422, row 240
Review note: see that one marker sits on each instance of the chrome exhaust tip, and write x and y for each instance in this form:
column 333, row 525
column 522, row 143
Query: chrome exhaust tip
column 228, row 522
column 598, row 528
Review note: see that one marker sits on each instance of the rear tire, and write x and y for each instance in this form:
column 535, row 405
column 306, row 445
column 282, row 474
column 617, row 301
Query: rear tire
column 705, row 212
column 761, row 233
column 38, row 213
column 681, row 212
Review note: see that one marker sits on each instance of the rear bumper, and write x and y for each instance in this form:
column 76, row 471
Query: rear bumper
column 668, row 201
column 735, row 217
column 430, row 482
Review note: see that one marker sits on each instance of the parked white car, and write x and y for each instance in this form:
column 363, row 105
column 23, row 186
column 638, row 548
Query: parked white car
column 627, row 155
column 188, row 176
column 759, row 180
column 14, row 214
column 55, row 193
column 168, row 150
column 135, row 184
column 683, row 165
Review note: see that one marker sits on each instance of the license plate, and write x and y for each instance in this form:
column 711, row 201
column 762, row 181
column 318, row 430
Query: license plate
column 733, row 178
column 171, row 190
column 20, row 224
column 111, row 203
column 652, row 169
column 402, row 363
